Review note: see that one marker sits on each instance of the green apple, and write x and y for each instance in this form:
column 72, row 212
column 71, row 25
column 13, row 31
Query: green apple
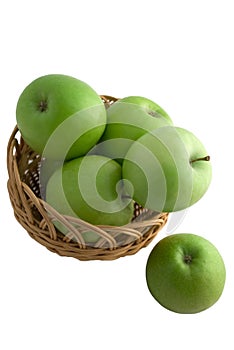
column 168, row 169
column 90, row 188
column 185, row 273
column 127, row 120
column 60, row 116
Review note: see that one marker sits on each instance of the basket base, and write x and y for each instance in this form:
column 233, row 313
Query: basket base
column 88, row 253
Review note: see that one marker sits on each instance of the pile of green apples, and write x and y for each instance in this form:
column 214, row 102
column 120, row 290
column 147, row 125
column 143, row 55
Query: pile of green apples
column 96, row 162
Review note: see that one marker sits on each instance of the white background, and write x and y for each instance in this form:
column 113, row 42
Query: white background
column 178, row 53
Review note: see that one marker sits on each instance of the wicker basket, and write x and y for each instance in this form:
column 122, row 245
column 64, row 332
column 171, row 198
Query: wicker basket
column 37, row 217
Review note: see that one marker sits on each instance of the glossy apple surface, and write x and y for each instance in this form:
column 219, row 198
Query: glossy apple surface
column 127, row 120
column 91, row 189
column 185, row 273
column 60, row 116
column 168, row 169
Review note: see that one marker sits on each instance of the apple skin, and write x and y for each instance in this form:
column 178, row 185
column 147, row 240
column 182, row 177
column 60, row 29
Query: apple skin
column 60, row 116
column 162, row 171
column 185, row 273
column 91, row 189
column 128, row 119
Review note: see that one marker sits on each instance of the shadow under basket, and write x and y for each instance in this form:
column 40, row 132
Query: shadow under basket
column 37, row 217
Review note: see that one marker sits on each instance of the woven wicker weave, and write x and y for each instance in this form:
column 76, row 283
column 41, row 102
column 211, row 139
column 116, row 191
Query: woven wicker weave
column 37, row 217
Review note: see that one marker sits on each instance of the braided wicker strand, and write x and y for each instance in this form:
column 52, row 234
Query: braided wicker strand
column 37, row 217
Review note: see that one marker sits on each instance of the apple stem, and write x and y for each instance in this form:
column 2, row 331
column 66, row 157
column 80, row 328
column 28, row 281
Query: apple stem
column 42, row 106
column 153, row 113
column 206, row 158
column 188, row 259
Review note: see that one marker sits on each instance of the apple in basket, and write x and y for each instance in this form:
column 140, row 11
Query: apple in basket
column 60, row 117
column 185, row 273
column 90, row 188
column 128, row 119
column 167, row 170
